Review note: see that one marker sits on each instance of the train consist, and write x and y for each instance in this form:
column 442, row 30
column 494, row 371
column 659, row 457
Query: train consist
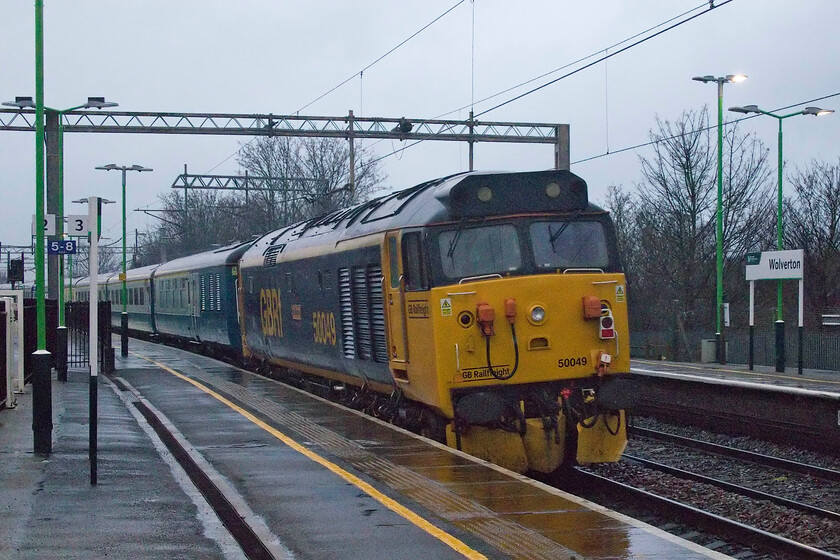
column 485, row 310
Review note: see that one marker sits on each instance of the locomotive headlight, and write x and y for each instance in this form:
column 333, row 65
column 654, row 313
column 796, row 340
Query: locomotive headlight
column 537, row 315
column 484, row 194
column 552, row 190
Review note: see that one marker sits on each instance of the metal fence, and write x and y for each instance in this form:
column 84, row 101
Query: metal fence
column 77, row 315
column 820, row 349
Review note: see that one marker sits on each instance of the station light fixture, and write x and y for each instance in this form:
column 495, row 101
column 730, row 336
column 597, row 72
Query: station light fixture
column 813, row 111
column 92, row 103
column 729, row 78
column 124, row 294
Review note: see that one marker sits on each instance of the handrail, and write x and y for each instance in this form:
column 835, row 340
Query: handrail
column 482, row 277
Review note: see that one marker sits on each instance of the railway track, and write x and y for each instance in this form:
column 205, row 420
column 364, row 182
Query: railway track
column 736, row 453
column 728, row 529
column 785, row 508
column 734, row 488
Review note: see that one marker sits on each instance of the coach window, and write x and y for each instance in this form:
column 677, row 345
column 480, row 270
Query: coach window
column 414, row 265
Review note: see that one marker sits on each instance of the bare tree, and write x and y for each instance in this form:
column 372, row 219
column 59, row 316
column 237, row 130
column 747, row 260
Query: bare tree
column 813, row 224
column 675, row 217
column 676, row 211
column 313, row 177
column 206, row 219
column 622, row 207
column 110, row 259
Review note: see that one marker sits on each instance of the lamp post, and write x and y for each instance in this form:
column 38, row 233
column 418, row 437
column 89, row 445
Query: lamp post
column 719, row 338
column 124, row 298
column 56, row 274
column 780, row 324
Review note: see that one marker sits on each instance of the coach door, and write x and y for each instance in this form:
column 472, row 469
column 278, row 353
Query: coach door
column 194, row 303
column 394, row 288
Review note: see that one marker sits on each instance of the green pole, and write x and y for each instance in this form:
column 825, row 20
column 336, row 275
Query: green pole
column 779, row 232
column 41, row 359
column 719, row 228
column 780, row 165
column 60, row 220
column 124, row 283
column 39, row 175
column 70, row 276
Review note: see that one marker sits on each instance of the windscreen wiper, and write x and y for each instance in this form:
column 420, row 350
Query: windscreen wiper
column 455, row 239
column 554, row 236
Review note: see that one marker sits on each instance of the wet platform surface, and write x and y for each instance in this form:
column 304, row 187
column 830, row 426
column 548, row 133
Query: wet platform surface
column 142, row 506
column 284, row 451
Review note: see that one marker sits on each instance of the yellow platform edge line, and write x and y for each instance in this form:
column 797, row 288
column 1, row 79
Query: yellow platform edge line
column 451, row 541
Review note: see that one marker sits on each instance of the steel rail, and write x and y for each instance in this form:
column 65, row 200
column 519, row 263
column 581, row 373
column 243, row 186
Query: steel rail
column 751, row 456
column 734, row 488
column 734, row 530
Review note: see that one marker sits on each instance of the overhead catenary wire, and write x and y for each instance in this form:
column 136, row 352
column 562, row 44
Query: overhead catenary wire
column 403, row 42
column 573, row 63
column 710, row 127
column 471, row 105
column 360, row 73
column 566, row 75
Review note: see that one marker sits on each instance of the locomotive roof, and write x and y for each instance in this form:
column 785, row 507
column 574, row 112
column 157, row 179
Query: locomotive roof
column 464, row 196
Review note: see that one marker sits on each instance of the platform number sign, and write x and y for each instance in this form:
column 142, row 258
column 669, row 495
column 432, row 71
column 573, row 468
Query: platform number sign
column 77, row 225
column 48, row 225
column 64, row 247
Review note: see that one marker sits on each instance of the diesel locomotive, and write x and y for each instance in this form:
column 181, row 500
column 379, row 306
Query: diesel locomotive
column 485, row 310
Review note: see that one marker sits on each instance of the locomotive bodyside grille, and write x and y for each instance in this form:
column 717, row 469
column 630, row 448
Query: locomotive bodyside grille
column 362, row 308
column 377, row 312
column 348, row 338
column 362, row 313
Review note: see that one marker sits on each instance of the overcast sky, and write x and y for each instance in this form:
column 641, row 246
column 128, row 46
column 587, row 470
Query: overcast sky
column 276, row 56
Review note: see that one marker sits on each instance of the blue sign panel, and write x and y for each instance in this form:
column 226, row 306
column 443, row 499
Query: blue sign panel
column 65, row 247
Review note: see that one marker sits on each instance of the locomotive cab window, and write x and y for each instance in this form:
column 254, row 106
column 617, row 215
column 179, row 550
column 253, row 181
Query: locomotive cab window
column 414, row 263
column 477, row 251
column 393, row 262
column 564, row 244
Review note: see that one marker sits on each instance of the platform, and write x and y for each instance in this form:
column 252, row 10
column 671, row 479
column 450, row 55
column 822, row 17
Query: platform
column 314, row 479
column 811, row 379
